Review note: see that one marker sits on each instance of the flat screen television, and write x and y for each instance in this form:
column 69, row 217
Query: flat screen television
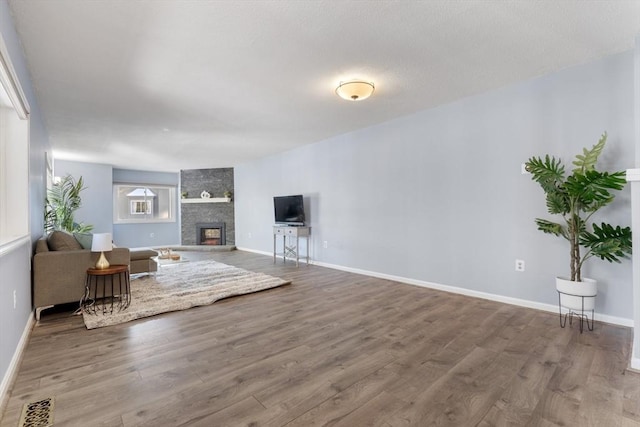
column 289, row 210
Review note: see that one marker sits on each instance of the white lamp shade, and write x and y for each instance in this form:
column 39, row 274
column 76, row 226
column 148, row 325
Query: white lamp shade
column 101, row 242
column 355, row 90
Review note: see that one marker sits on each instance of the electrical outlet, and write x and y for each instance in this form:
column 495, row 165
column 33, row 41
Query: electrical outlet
column 249, row 235
column 325, row 244
column 152, row 235
column 15, row 299
column 519, row 265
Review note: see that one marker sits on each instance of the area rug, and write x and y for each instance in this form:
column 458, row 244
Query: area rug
column 182, row 286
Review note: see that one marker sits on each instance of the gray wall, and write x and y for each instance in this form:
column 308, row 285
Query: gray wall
column 15, row 265
column 154, row 234
column 439, row 196
column 97, row 198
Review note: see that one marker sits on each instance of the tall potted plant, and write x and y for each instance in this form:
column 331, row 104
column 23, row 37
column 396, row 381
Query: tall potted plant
column 576, row 197
column 63, row 199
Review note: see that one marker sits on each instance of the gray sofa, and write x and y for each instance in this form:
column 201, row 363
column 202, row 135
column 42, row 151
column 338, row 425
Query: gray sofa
column 59, row 270
column 143, row 261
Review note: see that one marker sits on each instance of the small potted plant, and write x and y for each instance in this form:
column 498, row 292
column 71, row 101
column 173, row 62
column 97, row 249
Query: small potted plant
column 576, row 197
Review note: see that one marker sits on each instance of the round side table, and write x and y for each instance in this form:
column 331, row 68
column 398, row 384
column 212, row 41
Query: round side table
column 114, row 278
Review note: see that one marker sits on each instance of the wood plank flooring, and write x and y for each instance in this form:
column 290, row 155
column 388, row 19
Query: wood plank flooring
column 331, row 349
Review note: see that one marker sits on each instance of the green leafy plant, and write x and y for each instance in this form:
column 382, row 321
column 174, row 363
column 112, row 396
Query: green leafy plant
column 63, row 199
column 576, row 197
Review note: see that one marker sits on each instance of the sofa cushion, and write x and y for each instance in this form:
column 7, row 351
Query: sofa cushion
column 138, row 254
column 61, row 241
column 42, row 246
column 85, row 239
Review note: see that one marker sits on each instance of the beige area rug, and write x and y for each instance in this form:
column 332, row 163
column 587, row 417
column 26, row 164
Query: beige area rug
column 182, row 286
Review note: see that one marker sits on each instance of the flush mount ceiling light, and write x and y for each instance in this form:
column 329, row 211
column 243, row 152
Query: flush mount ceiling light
column 355, row 90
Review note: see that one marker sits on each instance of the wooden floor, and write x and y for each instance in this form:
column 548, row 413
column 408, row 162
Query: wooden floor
column 333, row 348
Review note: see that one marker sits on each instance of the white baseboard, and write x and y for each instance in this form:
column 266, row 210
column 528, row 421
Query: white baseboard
column 302, row 260
column 12, row 370
column 552, row 308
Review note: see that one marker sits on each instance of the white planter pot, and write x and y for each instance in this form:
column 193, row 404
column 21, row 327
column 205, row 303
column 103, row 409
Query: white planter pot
column 574, row 294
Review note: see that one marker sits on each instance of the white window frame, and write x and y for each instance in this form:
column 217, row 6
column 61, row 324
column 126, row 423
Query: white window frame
column 143, row 217
column 14, row 156
column 141, row 207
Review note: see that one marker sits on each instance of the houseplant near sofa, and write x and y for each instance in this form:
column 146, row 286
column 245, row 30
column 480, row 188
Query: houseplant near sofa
column 576, row 197
column 63, row 199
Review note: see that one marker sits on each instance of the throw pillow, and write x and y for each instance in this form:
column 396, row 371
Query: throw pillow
column 85, row 239
column 61, row 241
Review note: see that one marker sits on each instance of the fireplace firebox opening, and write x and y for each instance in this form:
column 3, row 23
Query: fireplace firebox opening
column 211, row 233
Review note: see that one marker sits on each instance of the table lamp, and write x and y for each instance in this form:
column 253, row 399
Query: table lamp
column 101, row 243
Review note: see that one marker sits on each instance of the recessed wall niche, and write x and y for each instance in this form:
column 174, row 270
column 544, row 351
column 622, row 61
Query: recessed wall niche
column 215, row 182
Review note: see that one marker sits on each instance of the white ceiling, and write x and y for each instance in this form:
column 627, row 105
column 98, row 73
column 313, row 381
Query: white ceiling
column 181, row 84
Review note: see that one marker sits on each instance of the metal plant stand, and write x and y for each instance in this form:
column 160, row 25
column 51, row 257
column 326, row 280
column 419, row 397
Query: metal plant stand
column 582, row 314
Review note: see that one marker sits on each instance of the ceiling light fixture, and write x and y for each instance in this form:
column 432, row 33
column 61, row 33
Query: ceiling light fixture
column 355, row 90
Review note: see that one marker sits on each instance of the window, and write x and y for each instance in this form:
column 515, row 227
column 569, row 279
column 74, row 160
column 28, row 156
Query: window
column 14, row 154
column 139, row 207
column 135, row 203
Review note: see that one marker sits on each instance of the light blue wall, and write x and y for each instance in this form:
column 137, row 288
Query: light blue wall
column 439, row 196
column 97, row 198
column 15, row 264
column 97, row 203
column 15, row 276
column 147, row 235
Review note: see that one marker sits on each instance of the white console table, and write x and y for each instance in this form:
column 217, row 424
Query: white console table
column 293, row 251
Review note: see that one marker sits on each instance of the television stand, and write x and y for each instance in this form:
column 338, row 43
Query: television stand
column 291, row 250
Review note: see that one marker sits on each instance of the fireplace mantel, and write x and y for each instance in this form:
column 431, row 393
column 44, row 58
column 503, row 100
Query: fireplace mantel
column 209, row 200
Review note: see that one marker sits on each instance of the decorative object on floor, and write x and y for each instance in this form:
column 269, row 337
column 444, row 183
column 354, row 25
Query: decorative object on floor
column 102, row 243
column 184, row 286
column 37, row 414
column 576, row 198
column 355, row 90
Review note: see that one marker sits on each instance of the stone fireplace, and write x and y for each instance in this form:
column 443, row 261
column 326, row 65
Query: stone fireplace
column 216, row 213
column 211, row 233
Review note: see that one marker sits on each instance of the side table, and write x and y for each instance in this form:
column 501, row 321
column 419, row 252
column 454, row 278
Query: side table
column 292, row 250
column 120, row 291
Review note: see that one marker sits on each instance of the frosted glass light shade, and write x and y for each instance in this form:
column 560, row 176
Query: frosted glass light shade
column 355, row 90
